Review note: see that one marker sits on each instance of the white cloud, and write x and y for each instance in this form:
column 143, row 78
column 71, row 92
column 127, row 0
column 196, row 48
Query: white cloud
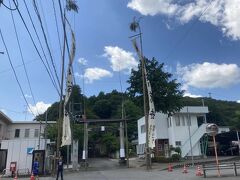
column 120, row 59
column 38, row 108
column 238, row 101
column 3, row 110
column 27, row 96
column 78, row 75
column 188, row 94
column 92, row 74
column 209, row 75
column 82, row 61
column 221, row 13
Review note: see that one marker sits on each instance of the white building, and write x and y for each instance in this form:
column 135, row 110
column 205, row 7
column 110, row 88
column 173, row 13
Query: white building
column 20, row 143
column 183, row 129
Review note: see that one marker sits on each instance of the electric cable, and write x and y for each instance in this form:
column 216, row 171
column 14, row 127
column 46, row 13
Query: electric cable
column 46, row 41
column 9, row 8
column 45, row 57
column 23, row 62
column 52, row 79
column 15, row 74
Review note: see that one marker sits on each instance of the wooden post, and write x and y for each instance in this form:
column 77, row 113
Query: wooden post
column 204, row 171
column 235, row 169
column 215, row 149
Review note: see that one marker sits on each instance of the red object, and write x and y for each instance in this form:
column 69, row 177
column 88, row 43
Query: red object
column 199, row 171
column 184, row 169
column 15, row 177
column 32, row 177
column 13, row 166
column 170, row 169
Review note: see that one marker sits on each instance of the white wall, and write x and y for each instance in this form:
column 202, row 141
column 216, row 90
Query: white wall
column 141, row 136
column 175, row 133
column 3, row 130
column 161, row 126
column 22, row 127
column 17, row 151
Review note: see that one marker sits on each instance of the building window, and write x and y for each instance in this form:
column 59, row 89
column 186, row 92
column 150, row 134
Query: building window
column 189, row 123
column 183, row 120
column 36, row 133
column 169, row 122
column 143, row 129
column 178, row 143
column 177, row 120
column 17, row 133
column 27, row 131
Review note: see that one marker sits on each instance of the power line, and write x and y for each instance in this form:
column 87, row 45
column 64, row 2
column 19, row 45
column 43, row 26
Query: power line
column 10, row 110
column 56, row 23
column 17, row 66
column 46, row 41
column 15, row 74
column 45, row 57
column 9, row 8
column 48, row 71
column 21, row 54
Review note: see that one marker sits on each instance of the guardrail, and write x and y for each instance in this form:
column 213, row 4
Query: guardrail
column 234, row 166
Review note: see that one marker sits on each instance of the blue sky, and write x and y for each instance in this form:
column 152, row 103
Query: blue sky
column 198, row 41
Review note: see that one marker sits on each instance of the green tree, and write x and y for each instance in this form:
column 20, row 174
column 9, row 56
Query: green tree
column 111, row 142
column 103, row 108
column 166, row 94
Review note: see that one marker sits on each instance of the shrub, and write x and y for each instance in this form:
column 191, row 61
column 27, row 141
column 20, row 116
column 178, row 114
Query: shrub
column 176, row 157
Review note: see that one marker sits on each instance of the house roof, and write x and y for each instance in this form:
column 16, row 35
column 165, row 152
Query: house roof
column 194, row 109
column 33, row 122
column 5, row 118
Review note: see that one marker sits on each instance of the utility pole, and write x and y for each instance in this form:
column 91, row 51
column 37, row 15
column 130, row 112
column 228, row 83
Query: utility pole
column 121, row 132
column 59, row 123
column 133, row 27
column 45, row 141
column 189, row 134
column 126, row 139
column 205, row 118
column 210, row 95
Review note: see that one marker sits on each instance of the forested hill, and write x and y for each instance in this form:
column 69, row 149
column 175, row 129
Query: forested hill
column 223, row 113
column 108, row 105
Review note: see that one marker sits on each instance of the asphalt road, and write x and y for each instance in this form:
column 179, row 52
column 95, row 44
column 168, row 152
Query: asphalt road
column 105, row 169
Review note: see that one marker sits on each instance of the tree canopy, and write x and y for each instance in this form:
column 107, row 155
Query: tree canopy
column 166, row 92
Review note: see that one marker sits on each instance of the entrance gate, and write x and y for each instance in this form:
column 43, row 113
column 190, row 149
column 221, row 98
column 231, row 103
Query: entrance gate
column 3, row 159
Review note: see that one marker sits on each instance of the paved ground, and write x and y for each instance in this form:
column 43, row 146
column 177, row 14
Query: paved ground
column 105, row 169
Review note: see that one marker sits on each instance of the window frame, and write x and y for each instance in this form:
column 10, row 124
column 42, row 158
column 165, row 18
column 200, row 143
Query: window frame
column 17, row 133
column 27, row 133
column 36, row 134
column 177, row 120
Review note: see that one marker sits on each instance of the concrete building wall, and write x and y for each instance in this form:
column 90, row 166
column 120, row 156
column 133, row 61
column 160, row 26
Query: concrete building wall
column 3, row 130
column 23, row 127
column 161, row 126
column 17, row 152
column 141, row 134
column 166, row 128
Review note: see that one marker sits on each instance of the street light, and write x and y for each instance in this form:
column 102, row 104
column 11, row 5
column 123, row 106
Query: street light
column 1, row 52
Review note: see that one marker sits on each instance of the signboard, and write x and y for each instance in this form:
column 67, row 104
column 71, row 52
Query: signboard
column 13, row 166
column 30, row 150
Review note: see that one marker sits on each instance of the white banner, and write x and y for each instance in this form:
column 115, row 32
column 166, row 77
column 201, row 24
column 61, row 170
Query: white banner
column 152, row 112
column 66, row 133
